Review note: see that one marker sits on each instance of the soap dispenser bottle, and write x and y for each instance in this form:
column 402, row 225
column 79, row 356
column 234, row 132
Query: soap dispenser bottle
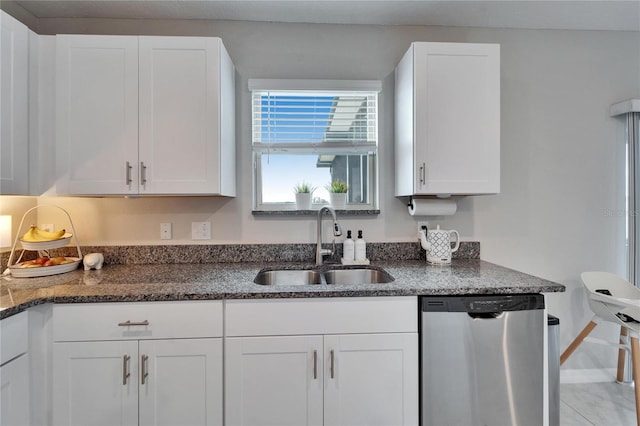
column 348, row 248
column 360, row 248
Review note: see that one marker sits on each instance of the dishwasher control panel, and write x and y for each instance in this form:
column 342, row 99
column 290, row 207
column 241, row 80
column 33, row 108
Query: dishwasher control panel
column 482, row 303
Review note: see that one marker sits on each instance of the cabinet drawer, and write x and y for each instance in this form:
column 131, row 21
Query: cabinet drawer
column 134, row 321
column 14, row 332
column 339, row 315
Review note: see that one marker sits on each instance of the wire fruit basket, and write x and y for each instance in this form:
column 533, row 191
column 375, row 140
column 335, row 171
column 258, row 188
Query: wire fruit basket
column 20, row 270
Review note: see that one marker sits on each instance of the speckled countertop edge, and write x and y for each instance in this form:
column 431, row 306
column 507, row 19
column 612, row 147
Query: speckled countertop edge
column 215, row 281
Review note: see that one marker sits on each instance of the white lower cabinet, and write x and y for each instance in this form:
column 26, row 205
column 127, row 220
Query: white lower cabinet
column 373, row 380
column 274, row 380
column 314, row 380
column 356, row 378
column 163, row 369
column 15, row 371
column 14, row 392
column 155, row 382
column 183, row 382
column 95, row 383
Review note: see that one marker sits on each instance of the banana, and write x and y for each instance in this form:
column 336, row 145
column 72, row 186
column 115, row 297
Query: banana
column 35, row 234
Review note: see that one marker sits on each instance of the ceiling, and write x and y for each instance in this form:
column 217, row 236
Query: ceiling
column 538, row 14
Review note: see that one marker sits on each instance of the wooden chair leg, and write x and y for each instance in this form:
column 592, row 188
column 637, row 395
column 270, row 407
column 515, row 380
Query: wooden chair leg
column 635, row 366
column 576, row 342
column 621, row 355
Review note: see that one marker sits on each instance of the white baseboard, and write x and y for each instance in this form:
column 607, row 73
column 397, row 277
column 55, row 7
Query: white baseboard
column 588, row 375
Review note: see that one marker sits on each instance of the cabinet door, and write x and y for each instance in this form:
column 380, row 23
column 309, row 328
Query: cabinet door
column 371, row 379
column 97, row 114
column 179, row 115
column 181, row 382
column 14, row 392
column 14, row 113
column 95, row 384
column 457, row 118
column 273, row 381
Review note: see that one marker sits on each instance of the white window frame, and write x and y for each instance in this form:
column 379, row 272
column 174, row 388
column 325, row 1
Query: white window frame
column 301, row 86
column 630, row 110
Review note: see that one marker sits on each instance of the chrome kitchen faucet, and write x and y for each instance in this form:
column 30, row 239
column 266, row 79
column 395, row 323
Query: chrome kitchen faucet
column 320, row 252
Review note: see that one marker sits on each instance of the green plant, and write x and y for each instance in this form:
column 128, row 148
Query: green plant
column 337, row 186
column 303, row 188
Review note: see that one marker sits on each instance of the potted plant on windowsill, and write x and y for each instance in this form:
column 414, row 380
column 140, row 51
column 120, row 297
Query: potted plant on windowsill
column 303, row 193
column 338, row 194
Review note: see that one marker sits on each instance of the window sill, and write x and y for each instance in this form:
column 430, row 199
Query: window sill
column 294, row 213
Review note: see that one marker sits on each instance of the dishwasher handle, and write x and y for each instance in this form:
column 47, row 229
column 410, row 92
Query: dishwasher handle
column 485, row 315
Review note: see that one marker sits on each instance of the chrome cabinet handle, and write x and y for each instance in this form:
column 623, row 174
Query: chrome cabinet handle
column 143, row 369
column 331, row 364
column 125, row 369
column 128, row 168
column 143, row 173
column 423, row 174
column 315, row 365
column 128, row 323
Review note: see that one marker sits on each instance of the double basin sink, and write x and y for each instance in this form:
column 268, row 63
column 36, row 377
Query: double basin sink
column 345, row 276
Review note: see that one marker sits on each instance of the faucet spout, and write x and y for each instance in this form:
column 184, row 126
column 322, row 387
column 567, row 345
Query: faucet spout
column 337, row 231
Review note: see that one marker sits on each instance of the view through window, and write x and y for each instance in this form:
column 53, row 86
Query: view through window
column 314, row 137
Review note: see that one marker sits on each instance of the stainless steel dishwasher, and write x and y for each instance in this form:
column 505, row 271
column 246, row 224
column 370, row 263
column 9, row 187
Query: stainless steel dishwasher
column 482, row 360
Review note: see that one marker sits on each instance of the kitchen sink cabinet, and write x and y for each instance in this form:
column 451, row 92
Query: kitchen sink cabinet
column 15, row 374
column 447, row 120
column 14, row 110
column 275, row 380
column 373, row 381
column 368, row 374
column 314, row 380
column 145, row 363
column 144, row 116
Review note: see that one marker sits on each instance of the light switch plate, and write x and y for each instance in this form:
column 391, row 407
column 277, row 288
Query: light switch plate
column 200, row 230
column 165, row 231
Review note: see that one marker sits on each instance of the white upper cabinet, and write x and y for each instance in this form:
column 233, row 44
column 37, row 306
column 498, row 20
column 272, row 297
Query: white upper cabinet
column 14, row 109
column 145, row 116
column 447, row 120
column 97, row 114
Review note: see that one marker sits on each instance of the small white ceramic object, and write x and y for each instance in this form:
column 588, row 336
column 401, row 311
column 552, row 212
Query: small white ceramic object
column 437, row 243
column 93, row 261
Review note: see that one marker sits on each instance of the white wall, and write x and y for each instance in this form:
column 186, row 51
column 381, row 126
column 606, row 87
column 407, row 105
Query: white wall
column 562, row 157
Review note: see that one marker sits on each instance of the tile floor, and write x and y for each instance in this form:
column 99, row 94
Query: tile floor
column 599, row 404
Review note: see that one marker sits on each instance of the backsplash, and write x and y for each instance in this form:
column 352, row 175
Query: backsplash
column 234, row 253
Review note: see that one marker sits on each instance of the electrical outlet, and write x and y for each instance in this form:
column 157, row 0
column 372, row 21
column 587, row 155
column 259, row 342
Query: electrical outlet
column 47, row 227
column 423, row 223
column 165, row 231
column 200, row 230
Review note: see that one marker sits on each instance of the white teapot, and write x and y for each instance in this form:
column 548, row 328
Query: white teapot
column 437, row 243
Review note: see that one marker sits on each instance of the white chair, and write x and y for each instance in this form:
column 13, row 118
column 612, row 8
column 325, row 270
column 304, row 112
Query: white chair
column 614, row 299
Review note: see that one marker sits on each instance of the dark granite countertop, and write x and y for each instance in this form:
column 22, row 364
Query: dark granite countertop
column 156, row 282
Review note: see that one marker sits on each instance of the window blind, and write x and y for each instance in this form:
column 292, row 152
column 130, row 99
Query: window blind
column 314, row 120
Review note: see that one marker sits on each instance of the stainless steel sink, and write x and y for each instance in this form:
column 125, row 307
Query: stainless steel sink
column 288, row 277
column 357, row 276
column 366, row 275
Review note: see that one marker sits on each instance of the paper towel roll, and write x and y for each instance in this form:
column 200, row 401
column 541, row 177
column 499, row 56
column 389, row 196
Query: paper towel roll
column 432, row 207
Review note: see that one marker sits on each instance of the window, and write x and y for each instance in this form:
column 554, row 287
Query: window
column 630, row 111
column 314, row 132
column 633, row 195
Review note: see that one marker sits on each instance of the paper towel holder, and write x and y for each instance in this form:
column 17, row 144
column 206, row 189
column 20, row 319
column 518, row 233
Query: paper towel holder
column 434, row 197
column 431, row 206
